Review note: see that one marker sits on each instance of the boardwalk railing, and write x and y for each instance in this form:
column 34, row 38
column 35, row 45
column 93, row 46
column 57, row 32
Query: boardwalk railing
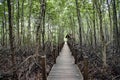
column 75, row 53
column 43, row 58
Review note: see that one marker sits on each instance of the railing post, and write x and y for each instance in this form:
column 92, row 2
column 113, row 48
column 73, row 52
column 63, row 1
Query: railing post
column 85, row 67
column 54, row 52
column 75, row 55
column 72, row 50
column 44, row 74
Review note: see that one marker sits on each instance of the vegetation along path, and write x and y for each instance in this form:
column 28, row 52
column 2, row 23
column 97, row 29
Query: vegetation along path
column 65, row 69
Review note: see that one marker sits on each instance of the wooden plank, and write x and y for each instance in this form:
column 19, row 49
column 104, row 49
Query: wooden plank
column 65, row 68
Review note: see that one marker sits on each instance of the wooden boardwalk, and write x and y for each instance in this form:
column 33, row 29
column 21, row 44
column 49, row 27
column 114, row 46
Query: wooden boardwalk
column 65, row 69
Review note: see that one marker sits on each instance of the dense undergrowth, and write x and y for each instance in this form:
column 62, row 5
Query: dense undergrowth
column 95, row 64
column 27, row 66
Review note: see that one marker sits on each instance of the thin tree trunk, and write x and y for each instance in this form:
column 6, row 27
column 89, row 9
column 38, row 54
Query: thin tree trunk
column 119, row 24
column 119, row 15
column 98, row 7
column 90, row 32
column 11, row 35
column 43, row 24
column 115, row 26
column 110, row 19
column 80, row 23
column 94, row 26
column 5, row 25
column 3, row 32
column 29, row 23
column 18, row 16
column 74, row 28
column 22, row 24
column 41, row 17
column 102, row 39
column 38, row 37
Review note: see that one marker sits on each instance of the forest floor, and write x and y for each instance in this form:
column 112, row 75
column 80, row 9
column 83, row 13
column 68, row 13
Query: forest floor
column 27, row 66
column 96, row 70
column 29, row 69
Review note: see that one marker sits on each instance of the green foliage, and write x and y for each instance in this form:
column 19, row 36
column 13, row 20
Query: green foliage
column 60, row 15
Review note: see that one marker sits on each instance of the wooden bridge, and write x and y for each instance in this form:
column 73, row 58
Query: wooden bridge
column 65, row 67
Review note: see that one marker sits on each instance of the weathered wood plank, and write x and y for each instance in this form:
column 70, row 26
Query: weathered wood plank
column 65, row 68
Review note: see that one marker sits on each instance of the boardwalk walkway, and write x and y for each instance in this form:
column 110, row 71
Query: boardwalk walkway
column 65, row 69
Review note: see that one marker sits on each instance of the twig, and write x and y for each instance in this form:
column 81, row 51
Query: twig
column 116, row 77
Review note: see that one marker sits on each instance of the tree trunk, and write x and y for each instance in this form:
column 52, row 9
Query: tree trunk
column 29, row 23
column 119, row 23
column 11, row 35
column 18, row 16
column 103, row 50
column 102, row 39
column 22, row 24
column 115, row 26
column 5, row 26
column 80, row 24
column 110, row 19
column 89, row 32
column 43, row 24
column 94, row 26
column 3, row 32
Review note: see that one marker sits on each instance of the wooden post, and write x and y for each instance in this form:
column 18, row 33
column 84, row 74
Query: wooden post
column 75, row 55
column 72, row 50
column 85, row 68
column 54, row 52
column 58, row 49
column 44, row 74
